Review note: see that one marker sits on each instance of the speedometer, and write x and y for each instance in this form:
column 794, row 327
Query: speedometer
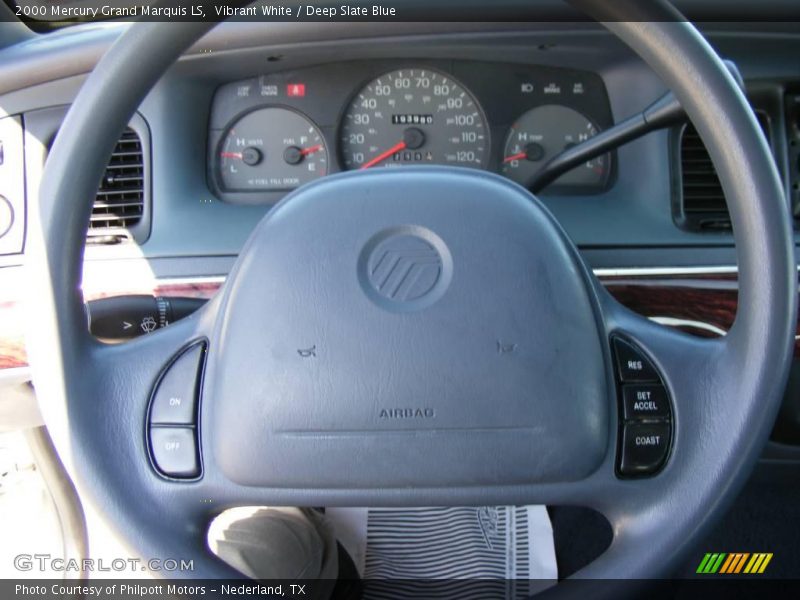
column 414, row 117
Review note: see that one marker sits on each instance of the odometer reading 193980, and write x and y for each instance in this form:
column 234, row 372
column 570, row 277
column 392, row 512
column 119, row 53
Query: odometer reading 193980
column 414, row 117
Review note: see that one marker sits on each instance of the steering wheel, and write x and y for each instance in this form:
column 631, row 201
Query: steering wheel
column 418, row 337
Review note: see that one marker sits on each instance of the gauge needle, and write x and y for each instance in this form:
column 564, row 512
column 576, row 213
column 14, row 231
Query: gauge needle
column 311, row 150
column 231, row 155
column 401, row 145
column 517, row 156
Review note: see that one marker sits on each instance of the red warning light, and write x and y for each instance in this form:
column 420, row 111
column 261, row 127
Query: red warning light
column 296, row 90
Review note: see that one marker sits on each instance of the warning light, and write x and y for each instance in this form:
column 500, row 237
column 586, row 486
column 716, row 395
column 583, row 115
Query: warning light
column 296, row 90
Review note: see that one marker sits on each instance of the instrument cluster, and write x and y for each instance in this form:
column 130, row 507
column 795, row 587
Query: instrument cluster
column 273, row 133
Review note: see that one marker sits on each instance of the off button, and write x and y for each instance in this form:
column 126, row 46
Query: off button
column 644, row 447
column 174, row 451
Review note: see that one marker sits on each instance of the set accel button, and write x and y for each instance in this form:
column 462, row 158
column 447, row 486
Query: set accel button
column 648, row 401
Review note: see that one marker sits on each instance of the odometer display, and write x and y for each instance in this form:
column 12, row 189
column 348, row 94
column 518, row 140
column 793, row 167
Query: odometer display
column 414, row 117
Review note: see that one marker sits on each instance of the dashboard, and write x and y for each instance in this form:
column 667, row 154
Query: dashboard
column 272, row 133
column 293, row 99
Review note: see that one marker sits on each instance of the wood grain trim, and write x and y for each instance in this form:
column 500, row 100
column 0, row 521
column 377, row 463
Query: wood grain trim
column 697, row 304
column 12, row 339
column 700, row 304
column 12, row 317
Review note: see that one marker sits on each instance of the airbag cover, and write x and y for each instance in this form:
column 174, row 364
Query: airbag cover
column 412, row 327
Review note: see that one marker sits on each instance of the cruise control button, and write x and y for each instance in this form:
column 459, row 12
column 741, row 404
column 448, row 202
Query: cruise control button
column 645, row 402
column 176, row 395
column 174, row 451
column 644, row 447
column 631, row 364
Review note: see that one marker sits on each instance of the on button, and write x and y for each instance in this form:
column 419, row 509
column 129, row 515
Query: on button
column 176, row 395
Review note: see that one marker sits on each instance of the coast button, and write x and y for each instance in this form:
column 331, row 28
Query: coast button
column 644, row 447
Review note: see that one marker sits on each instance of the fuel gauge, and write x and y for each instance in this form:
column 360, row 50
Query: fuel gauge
column 271, row 149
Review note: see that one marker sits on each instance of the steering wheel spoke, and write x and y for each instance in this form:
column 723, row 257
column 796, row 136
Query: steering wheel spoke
column 175, row 510
column 699, row 415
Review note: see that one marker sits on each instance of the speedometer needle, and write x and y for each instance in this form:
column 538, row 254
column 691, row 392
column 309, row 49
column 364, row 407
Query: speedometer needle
column 401, row 145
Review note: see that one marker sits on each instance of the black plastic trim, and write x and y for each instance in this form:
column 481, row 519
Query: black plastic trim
column 196, row 426
column 621, row 421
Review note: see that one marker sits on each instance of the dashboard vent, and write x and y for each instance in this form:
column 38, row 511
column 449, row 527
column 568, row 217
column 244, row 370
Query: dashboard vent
column 703, row 202
column 119, row 204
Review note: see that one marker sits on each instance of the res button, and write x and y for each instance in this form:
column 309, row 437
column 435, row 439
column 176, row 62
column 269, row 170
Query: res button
column 631, row 364
column 644, row 447
column 645, row 401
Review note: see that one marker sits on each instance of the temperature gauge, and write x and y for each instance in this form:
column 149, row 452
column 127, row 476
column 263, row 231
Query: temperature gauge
column 542, row 133
column 271, row 149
